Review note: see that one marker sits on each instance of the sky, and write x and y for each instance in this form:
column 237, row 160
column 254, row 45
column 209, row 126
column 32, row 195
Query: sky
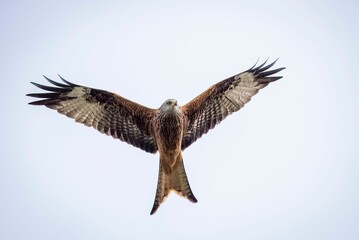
column 283, row 167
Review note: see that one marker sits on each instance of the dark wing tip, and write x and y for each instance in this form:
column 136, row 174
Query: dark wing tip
column 56, row 83
column 263, row 75
column 45, row 102
column 54, row 94
column 260, row 66
column 48, row 88
column 67, row 82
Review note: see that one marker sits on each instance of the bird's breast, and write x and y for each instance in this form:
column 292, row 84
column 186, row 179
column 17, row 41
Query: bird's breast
column 169, row 132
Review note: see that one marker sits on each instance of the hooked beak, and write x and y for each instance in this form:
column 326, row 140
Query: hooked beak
column 174, row 103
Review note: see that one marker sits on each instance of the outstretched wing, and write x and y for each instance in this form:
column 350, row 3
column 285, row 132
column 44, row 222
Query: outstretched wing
column 212, row 106
column 105, row 111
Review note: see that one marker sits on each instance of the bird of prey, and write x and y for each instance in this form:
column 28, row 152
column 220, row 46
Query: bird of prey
column 169, row 129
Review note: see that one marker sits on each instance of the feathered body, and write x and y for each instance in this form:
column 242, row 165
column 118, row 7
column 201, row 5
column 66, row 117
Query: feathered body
column 172, row 176
column 169, row 129
column 170, row 125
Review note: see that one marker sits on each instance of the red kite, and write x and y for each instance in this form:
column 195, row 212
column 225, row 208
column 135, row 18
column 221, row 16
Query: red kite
column 169, row 129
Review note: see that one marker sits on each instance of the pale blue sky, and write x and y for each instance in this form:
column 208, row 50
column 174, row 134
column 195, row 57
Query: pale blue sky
column 284, row 167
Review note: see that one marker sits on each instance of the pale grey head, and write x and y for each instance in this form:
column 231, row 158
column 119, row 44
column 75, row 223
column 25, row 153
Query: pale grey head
column 169, row 105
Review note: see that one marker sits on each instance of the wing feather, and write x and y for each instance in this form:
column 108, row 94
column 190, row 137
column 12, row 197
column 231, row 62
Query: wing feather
column 212, row 106
column 107, row 112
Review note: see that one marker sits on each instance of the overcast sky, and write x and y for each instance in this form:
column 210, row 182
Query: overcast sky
column 284, row 167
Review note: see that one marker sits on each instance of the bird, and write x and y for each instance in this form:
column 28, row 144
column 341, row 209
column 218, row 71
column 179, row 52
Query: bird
column 169, row 129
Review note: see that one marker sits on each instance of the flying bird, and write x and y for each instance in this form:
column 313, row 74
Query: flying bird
column 169, row 130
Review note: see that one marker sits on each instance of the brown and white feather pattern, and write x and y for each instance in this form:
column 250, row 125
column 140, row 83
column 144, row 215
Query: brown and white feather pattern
column 102, row 110
column 228, row 96
column 169, row 129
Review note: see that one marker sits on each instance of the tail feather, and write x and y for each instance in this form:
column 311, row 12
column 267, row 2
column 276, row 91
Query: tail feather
column 180, row 184
column 176, row 181
column 162, row 190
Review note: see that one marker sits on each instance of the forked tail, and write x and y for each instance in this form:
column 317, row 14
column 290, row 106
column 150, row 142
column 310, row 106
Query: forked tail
column 176, row 181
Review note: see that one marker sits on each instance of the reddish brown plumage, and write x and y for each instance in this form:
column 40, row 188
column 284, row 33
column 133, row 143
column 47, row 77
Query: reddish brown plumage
column 169, row 129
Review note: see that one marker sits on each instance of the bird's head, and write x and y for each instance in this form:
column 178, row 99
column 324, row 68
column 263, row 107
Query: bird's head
column 168, row 105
